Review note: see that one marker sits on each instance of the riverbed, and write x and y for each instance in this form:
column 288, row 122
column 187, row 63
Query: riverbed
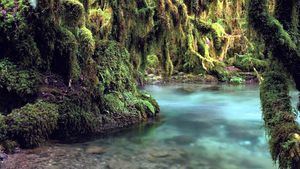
column 200, row 127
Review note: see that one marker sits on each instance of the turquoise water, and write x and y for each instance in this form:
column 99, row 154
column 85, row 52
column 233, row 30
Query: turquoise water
column 201, row 127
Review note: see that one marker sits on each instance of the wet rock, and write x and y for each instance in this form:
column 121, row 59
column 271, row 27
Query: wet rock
column 211, row 88
column 186, row 90
column 95, row 150
column 3, row 156
column 160, row 154
column 210, row 78
column 120, row 164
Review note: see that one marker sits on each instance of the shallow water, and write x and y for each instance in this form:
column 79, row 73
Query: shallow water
column 201, row 127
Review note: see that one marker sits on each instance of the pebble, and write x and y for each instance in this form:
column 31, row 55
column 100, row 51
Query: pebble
column 3, row 156
column 95, row 150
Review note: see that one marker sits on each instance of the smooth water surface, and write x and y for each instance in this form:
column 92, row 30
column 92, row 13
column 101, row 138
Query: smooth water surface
column 201, row 127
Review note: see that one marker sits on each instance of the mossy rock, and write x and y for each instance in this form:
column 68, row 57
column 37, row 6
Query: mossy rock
column 87, row 44
column 114, row 103
column 78, row 117
column 114, row 70
column 17, row 86
column 65, row 61
column 32, row 124
column 73, row 12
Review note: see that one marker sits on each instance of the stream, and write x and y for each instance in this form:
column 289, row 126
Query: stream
column 201, row 127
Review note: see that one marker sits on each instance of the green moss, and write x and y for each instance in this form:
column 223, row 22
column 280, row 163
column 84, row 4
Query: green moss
column 99, row 22
column 272, row 31
column 278, row 116
column 87, row 44
column 114, row 102
column 9, row 146
column 16, row 80
column 237, row 80
column 152, row 61
column 73, row 12
column 65, row 60
column 3, row 128
column 167, row 63
column 114, row 71
column 32, row 124
column 77, row 117
column 11, row 18
column 27, row 52
column 248, row 62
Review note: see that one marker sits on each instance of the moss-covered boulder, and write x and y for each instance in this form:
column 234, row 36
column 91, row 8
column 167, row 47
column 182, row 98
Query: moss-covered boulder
column 73, row 13
column 32, row 124
column 67, row 83
column 17, row 86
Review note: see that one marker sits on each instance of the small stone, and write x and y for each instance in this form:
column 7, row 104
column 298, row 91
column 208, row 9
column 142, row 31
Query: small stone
column 95, row 150
column 160, row 154
column 3, row 156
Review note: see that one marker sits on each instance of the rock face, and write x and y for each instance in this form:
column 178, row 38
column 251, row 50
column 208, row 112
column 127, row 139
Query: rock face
column 58, row 81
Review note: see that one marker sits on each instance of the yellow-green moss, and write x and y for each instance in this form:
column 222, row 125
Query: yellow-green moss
column 87, row 44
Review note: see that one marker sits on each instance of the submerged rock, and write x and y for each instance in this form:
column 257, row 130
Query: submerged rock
column 95, row 150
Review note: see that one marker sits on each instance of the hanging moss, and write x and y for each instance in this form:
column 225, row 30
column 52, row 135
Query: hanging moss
column 32, row 124
column 65, row 60
column 87, row 44
column 115, row 71
column 280, row 119
column 283, row 48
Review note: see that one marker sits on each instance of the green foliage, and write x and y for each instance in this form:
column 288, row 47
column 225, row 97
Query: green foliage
column 28, row 53
column 152, row 61
column 237, row 80
column 11, row 18
column 16, row 34
column 113, row 102
column 33, row 123
column 14, row 79
column 248, row 62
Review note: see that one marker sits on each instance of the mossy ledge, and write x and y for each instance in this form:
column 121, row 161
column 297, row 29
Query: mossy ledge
column 66, row 83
